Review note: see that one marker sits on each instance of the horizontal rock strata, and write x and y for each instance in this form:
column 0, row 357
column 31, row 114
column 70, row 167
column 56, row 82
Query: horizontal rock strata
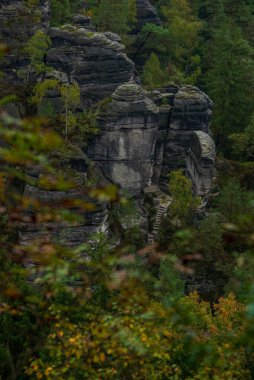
column 95, row 61
column 90, row 221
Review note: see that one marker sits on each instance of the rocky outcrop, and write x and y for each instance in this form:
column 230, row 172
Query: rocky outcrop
column 182, row 111
column 82, row 21
column 90, row 221
column 146, row 13
column 60, row 232
column 125, row 146
column 143, row 136
column 18, row 22
column 138, row 147
column 200, row 161
column 95, row 61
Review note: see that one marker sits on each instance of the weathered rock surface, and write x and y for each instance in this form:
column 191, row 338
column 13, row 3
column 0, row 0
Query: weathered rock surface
column 125, row 146
column 143, row 137
column 89, row 222
column 200, row 161
column 165, row 101
column 182, row 111
column 18, row 22
column 95, row 61
column 83, row 21
column 64, row 233
column 146, row 13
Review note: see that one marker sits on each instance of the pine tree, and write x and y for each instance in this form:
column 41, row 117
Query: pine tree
column 36, row 49
column 242, row 13
column 184, row 203
column 230, row 81
column 71, row 97
column 132, row 11
column 115, row 16
column 243, row 142
column 63, row 10
column 184, row 29
column 153, row 75
column 176, row 41
column 233, row 200
column 60, row 12
column 211, row 13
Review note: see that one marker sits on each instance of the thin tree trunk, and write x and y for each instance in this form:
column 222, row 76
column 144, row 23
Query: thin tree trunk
column 28, row 72
column 66, row 122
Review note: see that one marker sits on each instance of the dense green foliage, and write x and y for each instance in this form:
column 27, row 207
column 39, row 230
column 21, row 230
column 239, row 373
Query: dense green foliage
column 184, row 204
column 153, row 74
column 117, row 16
column 209, row 44
column 121, row 319
column 114, row 307
column 63, row 10
column 205, row 43
column 36, row 49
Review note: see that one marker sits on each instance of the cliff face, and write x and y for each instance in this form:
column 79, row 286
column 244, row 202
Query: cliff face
column 200, row 161
column 90, row 221
column 183, row 111
column 125, row 146
column 143, row 136
column 142, row 141
column 95, row 61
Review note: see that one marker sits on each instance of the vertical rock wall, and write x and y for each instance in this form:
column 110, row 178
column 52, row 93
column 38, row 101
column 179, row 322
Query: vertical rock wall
column 182, row 111
column 125, row 146
column 95, row 61
column 200, row 161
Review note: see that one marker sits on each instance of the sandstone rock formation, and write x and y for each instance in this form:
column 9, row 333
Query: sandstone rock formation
column 18, row 22
column 125, row 146
column 182, row 111
column 200, row 162
column 95, row 61
column 89, row 222
column 146, row 13
column 143, row 136
column 137, row 147
column 83, row 21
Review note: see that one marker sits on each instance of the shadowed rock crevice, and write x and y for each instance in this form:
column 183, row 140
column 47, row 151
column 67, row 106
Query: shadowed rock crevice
column 188, row 110
column 200, row 160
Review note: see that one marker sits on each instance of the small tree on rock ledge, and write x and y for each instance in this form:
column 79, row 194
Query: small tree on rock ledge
column 184, row 204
